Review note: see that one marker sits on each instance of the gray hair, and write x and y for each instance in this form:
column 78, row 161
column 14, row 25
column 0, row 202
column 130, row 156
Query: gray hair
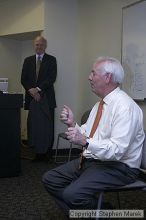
column 113, row 66
column 42, row 39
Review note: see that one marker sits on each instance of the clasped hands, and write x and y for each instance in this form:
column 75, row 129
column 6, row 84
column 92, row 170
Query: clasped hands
column 73, row 134
column 35, row 94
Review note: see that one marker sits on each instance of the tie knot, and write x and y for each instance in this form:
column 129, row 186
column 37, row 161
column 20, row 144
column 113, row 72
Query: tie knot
column 39, row 58
column 101, row 102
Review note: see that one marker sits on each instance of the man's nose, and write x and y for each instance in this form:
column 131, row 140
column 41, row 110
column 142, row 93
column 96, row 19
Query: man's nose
column 90, row 77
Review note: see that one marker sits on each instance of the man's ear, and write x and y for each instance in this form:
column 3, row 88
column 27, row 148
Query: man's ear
column 108, row 77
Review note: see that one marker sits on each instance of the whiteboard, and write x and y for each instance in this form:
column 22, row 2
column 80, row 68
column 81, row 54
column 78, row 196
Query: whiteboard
column 134, row 49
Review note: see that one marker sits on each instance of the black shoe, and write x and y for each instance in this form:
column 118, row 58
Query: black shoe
column 39, row 158
column 107, row 205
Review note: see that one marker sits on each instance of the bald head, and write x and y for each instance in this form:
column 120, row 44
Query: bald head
column 40, row 45
column 113, row 66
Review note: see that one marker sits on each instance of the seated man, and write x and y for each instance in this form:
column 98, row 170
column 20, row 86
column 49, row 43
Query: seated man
column 112, row 140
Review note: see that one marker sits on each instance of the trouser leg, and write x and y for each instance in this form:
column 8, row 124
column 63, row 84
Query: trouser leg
column 56, row 180
column 78, row 188
column 52, row 113
column 51, row 133
column 82, row 193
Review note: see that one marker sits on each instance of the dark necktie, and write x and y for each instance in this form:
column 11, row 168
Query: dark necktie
column 38, row 64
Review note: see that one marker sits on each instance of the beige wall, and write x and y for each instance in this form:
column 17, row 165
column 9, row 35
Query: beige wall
column 26, row 50
column 10, row 63
column 19, row 16
column 78, row 32
column 13, row 53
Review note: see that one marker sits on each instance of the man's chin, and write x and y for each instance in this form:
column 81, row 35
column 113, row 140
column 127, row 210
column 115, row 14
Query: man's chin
column 92, row 89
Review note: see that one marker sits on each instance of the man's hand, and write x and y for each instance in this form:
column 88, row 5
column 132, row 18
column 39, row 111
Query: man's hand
column 67, row 116
column 75, row 136
column 35, row 94
column 33, row 91
column 37, row 97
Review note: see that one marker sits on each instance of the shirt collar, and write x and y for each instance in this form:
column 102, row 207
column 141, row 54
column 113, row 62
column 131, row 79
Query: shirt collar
column 108, row 99
column 39, row 55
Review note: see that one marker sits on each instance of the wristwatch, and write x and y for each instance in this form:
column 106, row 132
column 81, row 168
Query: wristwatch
column 86, row 145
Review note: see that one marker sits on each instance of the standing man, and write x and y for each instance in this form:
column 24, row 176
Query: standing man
column 112, row 140
column 38, row 76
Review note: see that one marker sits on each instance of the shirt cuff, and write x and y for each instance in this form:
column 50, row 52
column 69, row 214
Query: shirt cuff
column 38, row 89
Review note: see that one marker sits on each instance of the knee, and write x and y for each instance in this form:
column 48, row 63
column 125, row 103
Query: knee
column 77, row 198
column 71, row 197
column 46, row 179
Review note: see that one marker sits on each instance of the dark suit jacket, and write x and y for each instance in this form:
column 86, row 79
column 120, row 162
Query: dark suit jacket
column 46, row 78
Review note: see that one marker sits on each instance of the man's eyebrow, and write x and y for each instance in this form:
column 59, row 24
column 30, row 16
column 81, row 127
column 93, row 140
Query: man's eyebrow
column 93, row 71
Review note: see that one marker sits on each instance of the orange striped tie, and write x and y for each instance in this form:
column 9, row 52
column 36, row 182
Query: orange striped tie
column 97, row 119
column 94, row 127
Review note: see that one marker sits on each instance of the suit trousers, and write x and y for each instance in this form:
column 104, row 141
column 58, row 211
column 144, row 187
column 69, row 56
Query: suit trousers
column 40, row 126
column 76, row 188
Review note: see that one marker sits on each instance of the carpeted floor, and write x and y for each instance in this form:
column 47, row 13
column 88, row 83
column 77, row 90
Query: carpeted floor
column 24, row 197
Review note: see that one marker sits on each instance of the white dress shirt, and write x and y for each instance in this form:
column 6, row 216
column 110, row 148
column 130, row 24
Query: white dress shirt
column 119, row 135
column 41, row 57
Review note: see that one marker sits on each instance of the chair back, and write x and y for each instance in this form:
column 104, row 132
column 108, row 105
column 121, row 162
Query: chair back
column 85, row 116
column 143, row 162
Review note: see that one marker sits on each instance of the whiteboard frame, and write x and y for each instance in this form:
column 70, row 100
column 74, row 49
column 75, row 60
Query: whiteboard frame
column 122, row 33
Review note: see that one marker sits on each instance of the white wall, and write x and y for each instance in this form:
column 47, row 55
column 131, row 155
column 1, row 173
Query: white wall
column 141, row 104
column 61, row 31
column 77, row 33
column 100, row 36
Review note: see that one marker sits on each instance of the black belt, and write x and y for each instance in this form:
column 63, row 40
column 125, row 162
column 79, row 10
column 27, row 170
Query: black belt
column 90, row 160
